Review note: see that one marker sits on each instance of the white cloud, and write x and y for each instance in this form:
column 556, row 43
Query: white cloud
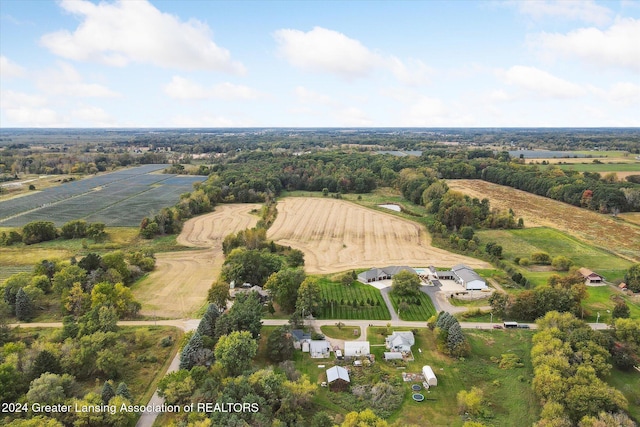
column 9, row 69
column 540, row 82
column 618, row 46
column 580, row 10
column 66, row 80
column 135, row 31
column 208, row 120
column 182, row 88
column 415, row 73
column 11, row 99
column 353, row 117
column 326, row 50
column 625, row 93
column 308, row 96
column 93, row 116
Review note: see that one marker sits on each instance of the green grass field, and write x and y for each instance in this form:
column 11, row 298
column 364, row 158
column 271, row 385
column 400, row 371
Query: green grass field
column 602, row 167
column 338, row 301
column 342, row 333
column 629, row 384
column 602, row 299
column 508, row 393
column 419, row 309
column 522, row 243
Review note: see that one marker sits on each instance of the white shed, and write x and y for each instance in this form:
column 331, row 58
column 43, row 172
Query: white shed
column 429, row 376
column 356, row 348
column 319, row 348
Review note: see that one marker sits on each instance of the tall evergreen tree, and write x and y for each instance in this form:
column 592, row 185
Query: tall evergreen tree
column 45, row 361
column 107, row 392
column 24, row 307
column 123, row 391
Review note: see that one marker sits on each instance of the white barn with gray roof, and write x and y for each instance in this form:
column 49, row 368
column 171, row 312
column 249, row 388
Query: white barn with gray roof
column 469, row 278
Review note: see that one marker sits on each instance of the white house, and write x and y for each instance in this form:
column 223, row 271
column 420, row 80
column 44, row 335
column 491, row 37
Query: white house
column 319, row 348
column 469, row 278
column 429, row 376
column 400, row 341
column 356, row 348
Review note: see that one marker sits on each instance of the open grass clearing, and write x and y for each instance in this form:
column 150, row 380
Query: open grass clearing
column 633, row 217
column 524, row 242
column 355, row 302
column 341, row 333
column 508, row 392
column 336, row 235
column 604, row 167
column 469, row 303
column 628, row 382
column 602, row 299
column 603, row 231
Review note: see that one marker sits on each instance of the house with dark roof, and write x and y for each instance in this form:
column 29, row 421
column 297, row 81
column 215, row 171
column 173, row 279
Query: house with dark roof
column 386, row 273
column 590, row 278
column 299, row 337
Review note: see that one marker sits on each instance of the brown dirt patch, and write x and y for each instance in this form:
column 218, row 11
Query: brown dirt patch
column 336, row 235
column 615, row 235
column 178, row 286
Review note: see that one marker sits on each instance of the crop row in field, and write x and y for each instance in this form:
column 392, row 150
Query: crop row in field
column 357, row 301
column 7, row 271
column 120, row 198
column 419, row 308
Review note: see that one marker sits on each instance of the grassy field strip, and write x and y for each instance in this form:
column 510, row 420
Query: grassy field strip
column 602, row 299
column 617, row 237
column 522, row 243
column 7, row 271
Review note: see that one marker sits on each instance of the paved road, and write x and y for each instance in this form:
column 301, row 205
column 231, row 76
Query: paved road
column 387, row 300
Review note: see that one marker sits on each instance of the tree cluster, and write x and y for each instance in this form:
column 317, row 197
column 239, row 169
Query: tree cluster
column 570, row 361
column 450, row 339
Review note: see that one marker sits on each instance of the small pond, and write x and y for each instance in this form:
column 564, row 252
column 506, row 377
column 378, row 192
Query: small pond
column 391, row 206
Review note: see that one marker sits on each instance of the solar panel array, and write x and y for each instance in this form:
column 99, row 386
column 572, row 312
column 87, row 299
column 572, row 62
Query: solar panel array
column 119, row 198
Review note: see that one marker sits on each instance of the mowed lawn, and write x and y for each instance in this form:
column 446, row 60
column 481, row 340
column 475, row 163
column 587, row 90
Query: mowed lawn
column 356, row 301
column 524, row 242
column 420, row 308
column 509, row 397
column 602, row 299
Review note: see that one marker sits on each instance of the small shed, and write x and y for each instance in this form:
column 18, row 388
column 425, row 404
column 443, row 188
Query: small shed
column 319, row 349
column 338, row 378
column 395, row 355
column 429, row 376
column 356, row 348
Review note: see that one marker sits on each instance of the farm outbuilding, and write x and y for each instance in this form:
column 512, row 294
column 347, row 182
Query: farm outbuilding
column 429, row 376
column 319, row 348
column 469, row 278
column 338, row 378
column 392, row 355
column 356, row 348
column 590, row 277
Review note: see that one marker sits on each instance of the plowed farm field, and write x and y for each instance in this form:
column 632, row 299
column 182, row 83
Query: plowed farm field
column 179, row 284
column 604, row 231
column 336, row 235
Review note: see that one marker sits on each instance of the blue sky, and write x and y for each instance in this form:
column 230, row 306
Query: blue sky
column 136, row 63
